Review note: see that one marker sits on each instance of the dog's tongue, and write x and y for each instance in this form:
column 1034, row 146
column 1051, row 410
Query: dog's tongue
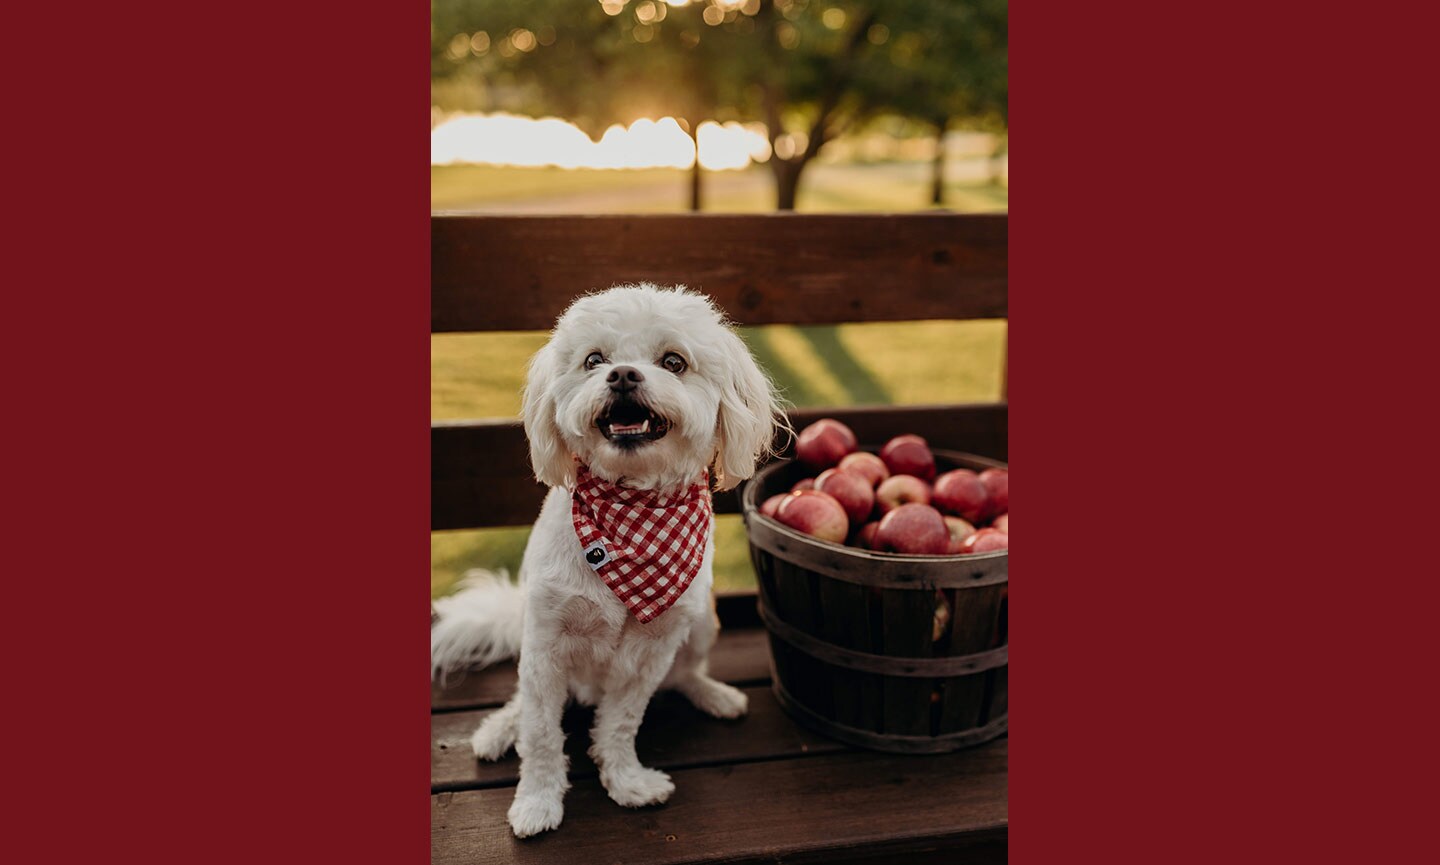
column 630, row 428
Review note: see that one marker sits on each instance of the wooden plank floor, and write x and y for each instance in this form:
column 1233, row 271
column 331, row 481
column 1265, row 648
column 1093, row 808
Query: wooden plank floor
column 758, row 789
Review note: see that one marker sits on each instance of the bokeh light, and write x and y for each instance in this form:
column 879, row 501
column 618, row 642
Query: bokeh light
column 787, row 34
column 508, row 139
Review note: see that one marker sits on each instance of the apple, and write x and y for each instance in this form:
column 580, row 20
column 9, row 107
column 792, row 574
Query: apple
column 866, row 536
column 984, row 541
column 909, row 455
column 913, row 528
column 772, row 504
column 852, row 491
column 821, row 444
column 803, row 484
column 898, row 490
column 997, row 486
column 867, row 465
column 961, row 492
column 816, row 514
column 1002, row 523
column 959, row 530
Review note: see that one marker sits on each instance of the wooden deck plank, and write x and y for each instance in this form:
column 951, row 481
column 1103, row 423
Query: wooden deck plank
column 674, row 735
column 827, row 808
column 740, row 657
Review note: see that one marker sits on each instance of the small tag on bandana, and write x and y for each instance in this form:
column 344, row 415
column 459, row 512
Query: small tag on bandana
column 595, row 555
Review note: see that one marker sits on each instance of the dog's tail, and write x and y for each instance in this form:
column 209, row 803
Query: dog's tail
column 478, row 625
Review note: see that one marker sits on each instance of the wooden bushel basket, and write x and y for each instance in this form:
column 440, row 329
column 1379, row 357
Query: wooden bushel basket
column 885, row 651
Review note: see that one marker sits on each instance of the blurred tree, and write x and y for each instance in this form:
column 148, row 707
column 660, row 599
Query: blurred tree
column 593, row 63
column 819, row 68
column 944, row 65
column 810, row 69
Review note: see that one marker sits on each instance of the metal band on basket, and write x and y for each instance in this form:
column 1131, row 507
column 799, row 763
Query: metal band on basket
column 958, row 665
column 888, row 741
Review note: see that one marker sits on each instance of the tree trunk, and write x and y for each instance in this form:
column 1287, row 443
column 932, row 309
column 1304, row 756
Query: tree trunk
column 695, row 171
column 787, row 181
column 937, row 188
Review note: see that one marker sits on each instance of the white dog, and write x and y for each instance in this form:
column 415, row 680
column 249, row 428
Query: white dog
column 638, row 393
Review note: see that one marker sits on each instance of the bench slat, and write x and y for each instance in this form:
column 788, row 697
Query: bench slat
column 825, row 808
column 740, row 657
column 520, row 272
column 674, row 735
column 480, row 470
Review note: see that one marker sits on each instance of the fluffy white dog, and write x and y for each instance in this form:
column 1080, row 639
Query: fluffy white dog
column 639, row 392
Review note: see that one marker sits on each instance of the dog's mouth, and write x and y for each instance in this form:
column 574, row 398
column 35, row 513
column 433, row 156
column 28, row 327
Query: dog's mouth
column 628, row 423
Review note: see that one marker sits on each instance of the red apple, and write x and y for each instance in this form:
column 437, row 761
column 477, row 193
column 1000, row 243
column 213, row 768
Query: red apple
column 984, row 541
column 814, row 513
column 1002, row 523
column 997, row 486
column 866, row 536
column 909, row 455
column 867, row 465
column 898, row 490
column 959, row 531
column 772, row 504
column 852, row 491
column 803, row 484
column 962, row 493
column 913, row 528
column 821, row 444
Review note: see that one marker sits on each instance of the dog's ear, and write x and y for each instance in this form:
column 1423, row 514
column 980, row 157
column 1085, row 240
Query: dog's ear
column 551, row 459
column 750, row 415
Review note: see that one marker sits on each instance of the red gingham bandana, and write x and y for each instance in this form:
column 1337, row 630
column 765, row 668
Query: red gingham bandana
column 645, row 546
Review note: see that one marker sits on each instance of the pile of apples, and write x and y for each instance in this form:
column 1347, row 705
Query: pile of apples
column 892, row 502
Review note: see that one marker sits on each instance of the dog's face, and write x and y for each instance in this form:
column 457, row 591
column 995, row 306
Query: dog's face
column 650, row 385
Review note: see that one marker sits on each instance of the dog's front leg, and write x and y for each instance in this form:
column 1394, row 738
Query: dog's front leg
column 539, row 797
column 630, row 684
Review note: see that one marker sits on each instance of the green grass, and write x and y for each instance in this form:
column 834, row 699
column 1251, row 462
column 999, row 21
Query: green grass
column 875, row 188
column 457, row 185
column 480, row 375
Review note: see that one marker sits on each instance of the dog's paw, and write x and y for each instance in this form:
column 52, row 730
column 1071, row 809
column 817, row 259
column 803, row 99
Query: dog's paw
column 720, row 700
column 531, row 815
column 493, row 740
column 635, row 788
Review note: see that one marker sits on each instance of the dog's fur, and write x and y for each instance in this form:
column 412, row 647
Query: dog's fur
column 577, row 639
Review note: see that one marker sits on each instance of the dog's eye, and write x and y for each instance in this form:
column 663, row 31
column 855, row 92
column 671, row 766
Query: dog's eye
column 594, row 359
column 673, row 362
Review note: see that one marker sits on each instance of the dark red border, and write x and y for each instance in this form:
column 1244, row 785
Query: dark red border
column 1212, row 324
column 220, row 432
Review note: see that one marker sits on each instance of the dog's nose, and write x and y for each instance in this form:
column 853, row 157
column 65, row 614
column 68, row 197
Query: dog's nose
column 624, row 378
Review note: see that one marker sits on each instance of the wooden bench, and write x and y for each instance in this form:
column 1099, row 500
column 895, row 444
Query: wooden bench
column 760, row 789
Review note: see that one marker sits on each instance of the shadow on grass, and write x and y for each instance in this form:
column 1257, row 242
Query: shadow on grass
column 859, row 384
column 860, row 387
column 792, row 385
